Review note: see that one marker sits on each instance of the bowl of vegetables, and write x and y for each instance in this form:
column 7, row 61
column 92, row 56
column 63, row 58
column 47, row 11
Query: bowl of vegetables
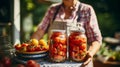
column 32, row 49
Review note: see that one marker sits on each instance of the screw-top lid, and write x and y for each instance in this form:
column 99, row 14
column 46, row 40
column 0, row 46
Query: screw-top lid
column 78, row 29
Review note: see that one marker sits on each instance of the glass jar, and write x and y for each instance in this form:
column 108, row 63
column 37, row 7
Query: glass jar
column 77, row 45
column 58, row 46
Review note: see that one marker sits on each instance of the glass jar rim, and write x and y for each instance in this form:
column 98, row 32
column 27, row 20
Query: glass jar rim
column 57, row 30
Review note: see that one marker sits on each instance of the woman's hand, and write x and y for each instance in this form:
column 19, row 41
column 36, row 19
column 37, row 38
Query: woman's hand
column 88, row 58
column 94, row 47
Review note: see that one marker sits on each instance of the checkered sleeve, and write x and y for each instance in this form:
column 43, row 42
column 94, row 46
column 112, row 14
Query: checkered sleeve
column 46, row 19
column 92, row 29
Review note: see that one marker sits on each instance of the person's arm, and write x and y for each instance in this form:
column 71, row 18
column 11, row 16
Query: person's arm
column 43, row 26
column 94, row 36
column 38, row 34
column 95, row 46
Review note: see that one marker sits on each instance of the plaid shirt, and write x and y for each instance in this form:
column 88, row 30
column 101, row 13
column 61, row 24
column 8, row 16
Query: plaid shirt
column 87, row 19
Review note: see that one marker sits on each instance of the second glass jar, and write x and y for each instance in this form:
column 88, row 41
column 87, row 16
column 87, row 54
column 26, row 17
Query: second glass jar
column 58, row 46
column 77, row 45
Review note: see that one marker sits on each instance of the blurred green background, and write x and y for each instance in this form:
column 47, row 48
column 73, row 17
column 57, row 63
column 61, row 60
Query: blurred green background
column 107, row 12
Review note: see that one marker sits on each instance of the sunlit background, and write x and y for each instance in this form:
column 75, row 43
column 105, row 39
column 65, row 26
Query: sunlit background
column 19, row 19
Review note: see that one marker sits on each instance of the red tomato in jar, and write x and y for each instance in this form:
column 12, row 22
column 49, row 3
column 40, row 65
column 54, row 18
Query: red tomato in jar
column 55, row 45
column 60, row 46
column 54, row 51
column 61, row 53
column 73, row 55
column 83, row 40
column 82, row 55
column 72, row 40
column 56, row 34
column 82, row 47
column 77, row 40
column 63, row 41
column 82, row 52
column 75, row 48
column 56, row 39
column 64, row 48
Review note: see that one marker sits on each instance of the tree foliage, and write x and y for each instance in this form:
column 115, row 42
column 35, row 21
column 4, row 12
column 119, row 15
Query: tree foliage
column 107, row 12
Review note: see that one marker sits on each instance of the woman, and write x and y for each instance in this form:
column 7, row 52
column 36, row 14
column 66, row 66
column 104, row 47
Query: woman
column 74, row 11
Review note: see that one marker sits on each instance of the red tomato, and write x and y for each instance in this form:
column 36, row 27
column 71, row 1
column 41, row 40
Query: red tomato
column 77, row 40
column 38, row 48
column 64, row 48
column 72, row 39
column 54, row 51
column 56, row 39
column 17, row 46
column 82, row 47
column 24, row 45
column 32, row 63
column 61, row 53
column 75, row 48
column 30, row 48
column 20, row 65
column 60, row 46
column 84, row 40
column 63, row 41
column 56, row 34
column 38, row 65
column 6, row 61
column 74, row 55
column 55, row 45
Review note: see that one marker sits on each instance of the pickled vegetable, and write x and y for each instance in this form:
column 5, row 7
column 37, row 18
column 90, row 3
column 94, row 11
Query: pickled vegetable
column 58, row 46
column 77, row 46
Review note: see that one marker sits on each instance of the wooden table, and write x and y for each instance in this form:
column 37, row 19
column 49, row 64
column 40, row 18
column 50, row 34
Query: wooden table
column 98, row 63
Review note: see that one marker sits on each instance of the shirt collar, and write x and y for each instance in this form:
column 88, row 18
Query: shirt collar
column 75, row 8
column 73, row 13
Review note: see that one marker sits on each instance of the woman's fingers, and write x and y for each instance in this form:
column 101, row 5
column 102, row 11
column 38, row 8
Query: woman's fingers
column 88, row 58
column 87, row 61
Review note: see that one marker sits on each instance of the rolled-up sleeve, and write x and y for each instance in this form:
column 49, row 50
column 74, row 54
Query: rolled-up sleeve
column 92, row 28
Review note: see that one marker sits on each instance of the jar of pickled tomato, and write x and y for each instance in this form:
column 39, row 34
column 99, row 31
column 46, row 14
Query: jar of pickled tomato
column 77, row 45
column 58, row 46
